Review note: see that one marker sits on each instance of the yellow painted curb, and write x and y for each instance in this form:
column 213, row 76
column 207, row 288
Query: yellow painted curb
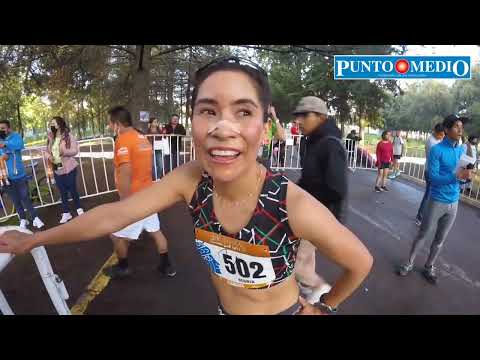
column 96, row 286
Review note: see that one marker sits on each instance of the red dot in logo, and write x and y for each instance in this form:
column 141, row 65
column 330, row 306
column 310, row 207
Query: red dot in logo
column 402, row 66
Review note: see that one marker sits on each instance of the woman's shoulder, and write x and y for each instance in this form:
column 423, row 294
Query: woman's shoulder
column 189, row 174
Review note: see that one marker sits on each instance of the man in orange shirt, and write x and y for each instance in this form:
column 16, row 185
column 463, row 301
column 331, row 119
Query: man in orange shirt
column 133, row 173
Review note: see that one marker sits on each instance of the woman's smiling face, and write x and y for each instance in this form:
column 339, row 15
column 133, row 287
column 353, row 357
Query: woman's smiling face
column 227, row 124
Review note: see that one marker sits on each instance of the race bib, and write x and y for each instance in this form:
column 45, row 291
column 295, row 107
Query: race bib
column 237, row 262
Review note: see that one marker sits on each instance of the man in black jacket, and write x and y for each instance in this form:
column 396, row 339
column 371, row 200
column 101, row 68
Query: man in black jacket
column 324, row 173
column 324, row 176
column 176, row 143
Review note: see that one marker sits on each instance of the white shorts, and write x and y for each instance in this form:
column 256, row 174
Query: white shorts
column 133, row 231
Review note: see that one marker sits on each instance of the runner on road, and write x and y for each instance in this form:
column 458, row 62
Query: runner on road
column 445, row 176
column 384, row 160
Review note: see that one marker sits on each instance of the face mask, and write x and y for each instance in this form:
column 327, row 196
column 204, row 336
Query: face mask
column 3, row 134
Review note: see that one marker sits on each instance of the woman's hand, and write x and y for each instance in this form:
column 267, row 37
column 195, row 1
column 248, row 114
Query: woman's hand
column 311, row 220
column 307, row 308
column 274, row 114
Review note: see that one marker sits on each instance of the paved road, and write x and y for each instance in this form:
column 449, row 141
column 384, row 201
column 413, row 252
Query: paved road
column 383, row 221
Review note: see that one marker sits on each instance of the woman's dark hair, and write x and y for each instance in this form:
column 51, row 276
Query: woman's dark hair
column 64, row 130
column 252, row 70
column 438, row 128
column 120, row 114
column 384, row 134
column 471, row 137
column 151, row 120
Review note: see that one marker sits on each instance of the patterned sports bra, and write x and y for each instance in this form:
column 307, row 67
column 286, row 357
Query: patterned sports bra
column 263, row 253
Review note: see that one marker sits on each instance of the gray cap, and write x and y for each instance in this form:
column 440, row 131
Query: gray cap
column 311, row 104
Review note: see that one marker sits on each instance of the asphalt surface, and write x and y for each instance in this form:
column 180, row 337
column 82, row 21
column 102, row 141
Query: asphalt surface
column 384, row 222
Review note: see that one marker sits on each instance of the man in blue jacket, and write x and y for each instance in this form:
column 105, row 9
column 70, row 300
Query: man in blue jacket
column 11, row 145
column 441, row 210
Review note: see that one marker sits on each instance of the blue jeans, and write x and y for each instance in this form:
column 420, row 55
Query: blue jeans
column 18, row 193
column 68, row 184
column 158, row 161
column 425, row 198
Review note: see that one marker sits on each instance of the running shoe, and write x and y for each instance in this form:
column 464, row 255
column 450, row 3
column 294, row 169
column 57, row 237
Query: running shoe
column 430, row 274
column 377, row 189
column 65, row 218
column 314, row 296
column 24, row 223
column 168, row 270
column 38, row 223
column 80, row 211
column 305, row 290
column 384, row 188
column 116, row 272
column 405, row 269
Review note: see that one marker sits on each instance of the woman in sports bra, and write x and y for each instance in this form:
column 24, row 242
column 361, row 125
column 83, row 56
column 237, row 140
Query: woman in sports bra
column 247, row 220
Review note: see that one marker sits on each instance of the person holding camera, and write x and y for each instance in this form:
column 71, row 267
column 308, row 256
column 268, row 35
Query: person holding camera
column 11, row 146
column 445, row 176
column 274, row 140
column 61, row 150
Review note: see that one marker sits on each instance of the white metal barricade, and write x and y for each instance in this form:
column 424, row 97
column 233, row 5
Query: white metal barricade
column 94, row 174
column 54, row 285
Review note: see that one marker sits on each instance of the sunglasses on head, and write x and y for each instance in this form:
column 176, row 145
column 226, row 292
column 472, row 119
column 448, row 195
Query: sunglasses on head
column 232, row 60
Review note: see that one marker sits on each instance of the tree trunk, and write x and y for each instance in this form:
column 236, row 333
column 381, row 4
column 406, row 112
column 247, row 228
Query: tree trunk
column 170, row 86
column 20, row 125
column 187, row 90
column 139, row 99
column 360, row 129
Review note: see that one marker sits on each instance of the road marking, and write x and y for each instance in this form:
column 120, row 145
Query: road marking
column 96, row 286
column 448, row 269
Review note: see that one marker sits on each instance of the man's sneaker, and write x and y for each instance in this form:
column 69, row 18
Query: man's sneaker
column 430, row 274
column 304, row 289
column 80, row 211
column 24, row 223
column 377, row 189
column 65, row 217
column 116, row 272
column 315, row 295
column 38, row 223
column 405, row 269
column 418, row 222
column 169, row 270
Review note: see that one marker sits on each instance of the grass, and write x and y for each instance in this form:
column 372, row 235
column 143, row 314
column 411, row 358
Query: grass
column 414, row 146
column 35, row 143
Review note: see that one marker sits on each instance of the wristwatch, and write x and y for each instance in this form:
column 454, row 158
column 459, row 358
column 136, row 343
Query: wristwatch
column 325, row 307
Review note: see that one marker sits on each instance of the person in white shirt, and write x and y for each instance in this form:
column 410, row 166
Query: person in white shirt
column 398, row 152
column 436, row 137
column 470, row 149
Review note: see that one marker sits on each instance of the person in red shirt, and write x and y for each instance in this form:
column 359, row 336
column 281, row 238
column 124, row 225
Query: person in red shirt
column 384, row 159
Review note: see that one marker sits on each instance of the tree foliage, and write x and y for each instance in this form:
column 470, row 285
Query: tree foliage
column 80, row 83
